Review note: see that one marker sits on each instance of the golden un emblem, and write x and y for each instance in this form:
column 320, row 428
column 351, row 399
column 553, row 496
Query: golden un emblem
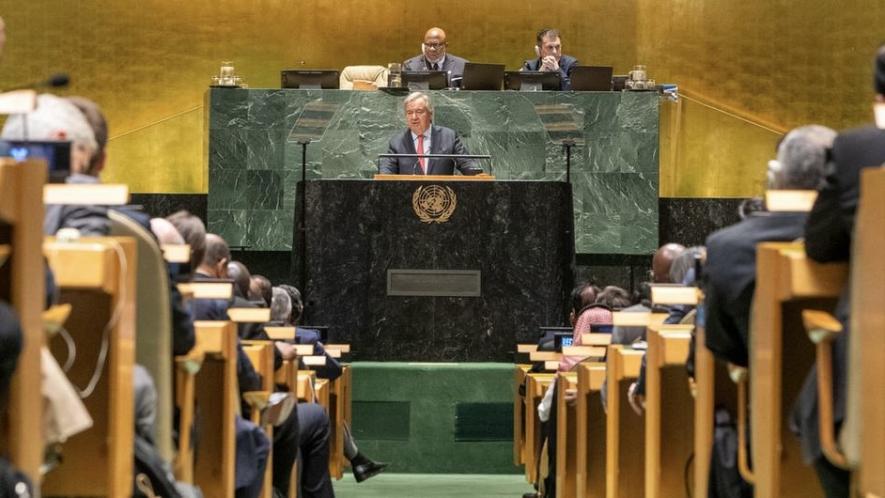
column 434, row 203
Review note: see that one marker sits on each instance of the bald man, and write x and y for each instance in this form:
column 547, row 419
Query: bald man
column 435, row 58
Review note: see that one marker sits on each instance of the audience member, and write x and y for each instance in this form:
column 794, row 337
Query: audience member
column 614, row 297
column 260, row 290
column 828, row 233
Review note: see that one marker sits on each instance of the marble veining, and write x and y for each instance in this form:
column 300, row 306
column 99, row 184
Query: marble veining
column 614, row 172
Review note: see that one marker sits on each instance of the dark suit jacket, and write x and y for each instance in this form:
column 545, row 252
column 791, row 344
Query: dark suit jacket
column 442, row 141
column 453, row 65
column 730, row 278
column 566, row 64
column 827, row 239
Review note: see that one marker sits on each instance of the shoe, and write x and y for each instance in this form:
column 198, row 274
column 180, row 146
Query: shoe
column 363, row 468
column 532, row 495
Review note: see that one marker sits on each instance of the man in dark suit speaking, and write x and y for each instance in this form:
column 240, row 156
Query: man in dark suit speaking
column 427, row 138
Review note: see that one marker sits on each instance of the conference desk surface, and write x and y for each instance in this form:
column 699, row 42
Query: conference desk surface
column 254, row 165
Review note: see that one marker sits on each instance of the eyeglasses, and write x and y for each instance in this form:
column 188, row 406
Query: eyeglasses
column 416, row 112
column 434, row 46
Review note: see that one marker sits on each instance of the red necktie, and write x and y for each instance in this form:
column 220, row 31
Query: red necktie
column 421, row 151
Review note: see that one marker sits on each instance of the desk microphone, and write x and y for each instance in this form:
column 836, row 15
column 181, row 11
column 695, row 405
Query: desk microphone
column 58, row 80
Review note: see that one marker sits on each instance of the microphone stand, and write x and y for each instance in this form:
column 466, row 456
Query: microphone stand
column 302, row 227
column 568, row 143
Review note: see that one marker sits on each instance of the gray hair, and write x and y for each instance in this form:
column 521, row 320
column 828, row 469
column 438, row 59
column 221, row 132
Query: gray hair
column 685, row 262
column 801, row 158
column 52, row 116
column 414, row 96
column 280, row 306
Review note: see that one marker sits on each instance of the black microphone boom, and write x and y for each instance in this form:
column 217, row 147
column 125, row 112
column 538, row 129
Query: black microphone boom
column 58, row 80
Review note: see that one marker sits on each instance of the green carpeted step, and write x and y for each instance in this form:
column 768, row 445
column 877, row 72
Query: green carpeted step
column 433, row 486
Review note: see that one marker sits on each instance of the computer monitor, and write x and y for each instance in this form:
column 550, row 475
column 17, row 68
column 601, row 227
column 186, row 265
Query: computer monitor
column 591, row 78
column 530, row 81
column 309, row 78
column 562, row 339
column 482, row 76
column 619, row 82
column 56, row 153
column 425, row 80
column 601, row 328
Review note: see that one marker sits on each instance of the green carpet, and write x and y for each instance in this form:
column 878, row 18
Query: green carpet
column 433, row 486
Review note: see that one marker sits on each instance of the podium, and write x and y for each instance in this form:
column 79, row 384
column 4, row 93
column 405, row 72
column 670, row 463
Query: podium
column 425, row 268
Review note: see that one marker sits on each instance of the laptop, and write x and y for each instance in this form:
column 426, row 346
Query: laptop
column 309, row 78
column 425, row 80
column 531, row 81
column 591, row 78
column 482, row 76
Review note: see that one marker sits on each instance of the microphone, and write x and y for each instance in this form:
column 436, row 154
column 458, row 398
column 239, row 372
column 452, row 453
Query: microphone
column 58, row 80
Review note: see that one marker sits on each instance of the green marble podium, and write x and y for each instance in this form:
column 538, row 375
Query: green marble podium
column 254, row 167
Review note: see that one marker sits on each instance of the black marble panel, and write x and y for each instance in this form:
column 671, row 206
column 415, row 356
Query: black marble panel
column 518, row 234
column 162, row 205
column 690, row 221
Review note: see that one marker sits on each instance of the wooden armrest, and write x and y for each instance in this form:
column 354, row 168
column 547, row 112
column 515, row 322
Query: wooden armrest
column 280, row 333
column 176, row 253
column 790, row 200
column 526, row 348
column 596, row 339
column 314, row 361
column 257, row 399
column 545, row 356
column 343, row 348
column 206, row 290
column 551, row 366
column 303, row 349
column 334, row 353
column 631, row 319
column 585, row 351
column 821, row 326
column 249, row 315
column 674, row 294
column 105, row 194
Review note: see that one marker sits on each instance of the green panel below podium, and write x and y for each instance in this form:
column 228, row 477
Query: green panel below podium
column 453, row 418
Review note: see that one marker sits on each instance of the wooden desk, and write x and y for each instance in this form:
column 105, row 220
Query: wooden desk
column 339, row 409
column 669, row 417
column 21, row 188
column 536, row 386
column 97, row 277
column 624, row 470
column 566, row 437
column 519, row 380
column 590, row 449
column 713, row 388
column 867, row 358
column 786, row 283
column 217, row 394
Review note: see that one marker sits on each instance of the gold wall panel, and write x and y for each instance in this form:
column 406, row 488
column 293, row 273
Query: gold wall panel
column 779, row 63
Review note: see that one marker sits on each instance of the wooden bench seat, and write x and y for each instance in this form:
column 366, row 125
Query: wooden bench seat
column 625, row 431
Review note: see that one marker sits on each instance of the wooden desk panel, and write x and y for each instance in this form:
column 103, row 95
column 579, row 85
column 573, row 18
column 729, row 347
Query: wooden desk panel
column 625, row 431
column 590, row 449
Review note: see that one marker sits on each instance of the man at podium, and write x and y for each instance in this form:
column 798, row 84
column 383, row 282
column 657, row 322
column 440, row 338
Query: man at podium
column 422, row 135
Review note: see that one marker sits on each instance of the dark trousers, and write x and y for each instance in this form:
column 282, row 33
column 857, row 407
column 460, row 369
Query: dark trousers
column 285, row 450
column 313, row 441
column 835, row 482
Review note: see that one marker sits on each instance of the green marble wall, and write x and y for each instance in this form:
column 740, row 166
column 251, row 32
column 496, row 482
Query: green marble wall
column 253, row 167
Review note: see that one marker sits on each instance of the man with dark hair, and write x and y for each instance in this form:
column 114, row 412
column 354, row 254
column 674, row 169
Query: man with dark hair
column 193, row 231
column 828, row 235
column 548, row 49
column 260, row 289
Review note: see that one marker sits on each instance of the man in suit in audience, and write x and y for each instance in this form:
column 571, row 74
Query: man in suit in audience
column 434, row 57
column 828, row 239
column 424, row 136
column 548, row 48
column 730, row 273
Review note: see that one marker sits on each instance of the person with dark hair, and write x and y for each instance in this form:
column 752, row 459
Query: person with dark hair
column 614, row 297
column 260, row 290
column 193, row 231
column 828, row 234
column 548, row 49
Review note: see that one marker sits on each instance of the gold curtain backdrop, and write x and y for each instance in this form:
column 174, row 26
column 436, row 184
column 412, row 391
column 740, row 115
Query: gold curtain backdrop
column 749, row 70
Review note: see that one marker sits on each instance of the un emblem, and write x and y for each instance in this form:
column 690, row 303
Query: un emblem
column 434, row 203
